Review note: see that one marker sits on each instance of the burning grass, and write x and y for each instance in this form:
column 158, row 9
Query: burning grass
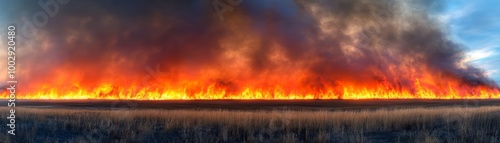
column 445, row 124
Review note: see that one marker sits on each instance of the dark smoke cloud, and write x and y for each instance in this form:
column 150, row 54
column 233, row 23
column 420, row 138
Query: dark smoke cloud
column 330, row 40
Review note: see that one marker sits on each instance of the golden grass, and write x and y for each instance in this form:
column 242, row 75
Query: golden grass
column 451, row 124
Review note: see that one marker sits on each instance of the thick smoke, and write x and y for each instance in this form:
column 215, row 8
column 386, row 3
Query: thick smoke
column 315, row 43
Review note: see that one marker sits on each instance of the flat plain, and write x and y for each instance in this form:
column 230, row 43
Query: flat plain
column 256, row 121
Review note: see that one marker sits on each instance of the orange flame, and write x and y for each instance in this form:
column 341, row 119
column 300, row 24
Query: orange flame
column 196, row 91
column 279, row 84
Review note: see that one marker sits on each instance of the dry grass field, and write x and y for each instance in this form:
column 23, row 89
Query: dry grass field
column 437, row 124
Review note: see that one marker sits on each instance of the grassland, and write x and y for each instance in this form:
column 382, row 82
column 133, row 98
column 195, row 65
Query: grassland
column 436, row 124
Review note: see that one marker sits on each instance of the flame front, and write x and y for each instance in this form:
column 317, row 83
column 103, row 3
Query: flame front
column 110, row 93
column 213, row 91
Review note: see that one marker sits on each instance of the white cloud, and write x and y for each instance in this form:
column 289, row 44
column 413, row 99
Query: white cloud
column 479, row 54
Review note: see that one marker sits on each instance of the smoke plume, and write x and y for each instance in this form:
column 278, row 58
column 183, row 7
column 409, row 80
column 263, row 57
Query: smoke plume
column 316, row 45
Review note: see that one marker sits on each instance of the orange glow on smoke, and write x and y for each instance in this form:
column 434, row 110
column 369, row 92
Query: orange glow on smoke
column 237, row 80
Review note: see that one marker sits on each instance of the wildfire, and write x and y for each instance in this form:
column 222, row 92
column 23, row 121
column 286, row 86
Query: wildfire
column 341, row 49
column 216, row 91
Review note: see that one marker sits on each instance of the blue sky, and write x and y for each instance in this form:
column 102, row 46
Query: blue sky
column 476, row 25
